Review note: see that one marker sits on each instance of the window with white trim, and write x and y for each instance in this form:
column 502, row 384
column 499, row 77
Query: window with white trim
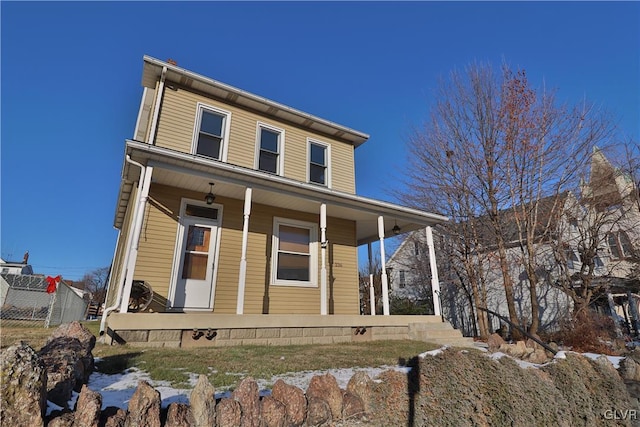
column 270, row 144
column 318, row 170
column 212, row 127
column 619, row 245
column 294, row 260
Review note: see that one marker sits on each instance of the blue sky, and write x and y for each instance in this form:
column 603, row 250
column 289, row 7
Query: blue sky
column 71, row 73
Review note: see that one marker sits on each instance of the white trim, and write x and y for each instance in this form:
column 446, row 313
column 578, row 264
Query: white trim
column 435, row 282
column 328, row 160
column 384, row 278
column 224, row 149
column 256, row 163
column 313, row 253
column 242, row 276
column 177, row 252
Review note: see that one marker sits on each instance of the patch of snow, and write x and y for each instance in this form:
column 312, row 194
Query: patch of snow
column 560, row 355
column 435, row 352
column 615, row 360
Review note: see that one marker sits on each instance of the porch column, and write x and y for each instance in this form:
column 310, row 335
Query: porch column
column 372, row 291
column 242, row 278
column 135, row 240
column 323, row 268
column 385, row 282
column 435, row 283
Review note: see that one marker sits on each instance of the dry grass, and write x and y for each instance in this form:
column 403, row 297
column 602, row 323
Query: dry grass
column 222, row 365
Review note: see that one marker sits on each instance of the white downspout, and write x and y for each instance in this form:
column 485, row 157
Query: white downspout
column 156, row 109
column 435, row 283
column 323, row 250
column 243, row 255
column 135, row 239
column 121, row 277
column 385, row 281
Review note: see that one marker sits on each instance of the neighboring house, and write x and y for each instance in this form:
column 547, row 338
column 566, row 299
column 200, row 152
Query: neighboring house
column 15, row 267
column 609, row 207
column 234, row 208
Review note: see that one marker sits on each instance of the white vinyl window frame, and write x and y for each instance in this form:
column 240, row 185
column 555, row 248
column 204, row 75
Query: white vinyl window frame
column 224, row 143
column 313, row 253
column 327, row 154
column 280, row 163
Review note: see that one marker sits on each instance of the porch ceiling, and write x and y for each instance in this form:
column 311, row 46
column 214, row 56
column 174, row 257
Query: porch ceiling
column 194, row 173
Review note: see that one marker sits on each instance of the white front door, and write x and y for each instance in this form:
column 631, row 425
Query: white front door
column 195, row 273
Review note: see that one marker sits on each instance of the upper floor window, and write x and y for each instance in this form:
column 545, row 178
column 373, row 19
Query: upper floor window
column 416, row 248
column 319, row 163
column 270, row 145
column 619, row 245
column 212, row 128
column 403, row 278
column 295, row 257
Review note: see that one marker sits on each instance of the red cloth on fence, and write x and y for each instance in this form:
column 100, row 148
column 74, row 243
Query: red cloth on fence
column 52, row 281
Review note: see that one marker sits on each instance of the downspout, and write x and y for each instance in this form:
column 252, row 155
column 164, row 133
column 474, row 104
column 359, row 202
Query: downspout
column 151, row 140
column 108, row 310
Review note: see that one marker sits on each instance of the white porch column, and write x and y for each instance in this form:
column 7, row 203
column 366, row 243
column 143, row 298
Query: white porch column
column 435, row 283
column 372, row 291
column 385, row 282
column 323, row 268
column 135, row 240
column 242, row 278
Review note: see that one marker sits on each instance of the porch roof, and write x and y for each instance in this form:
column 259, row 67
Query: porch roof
column 194, row 172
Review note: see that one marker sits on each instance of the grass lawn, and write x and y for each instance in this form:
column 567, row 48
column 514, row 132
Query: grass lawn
column 225, row 366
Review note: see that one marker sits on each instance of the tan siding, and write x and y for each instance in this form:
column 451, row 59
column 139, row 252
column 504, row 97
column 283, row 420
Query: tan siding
column 157, row 247
column 176, row 128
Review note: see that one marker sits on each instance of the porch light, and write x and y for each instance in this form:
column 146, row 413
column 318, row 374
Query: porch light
column 209, row 198
column 396, row 229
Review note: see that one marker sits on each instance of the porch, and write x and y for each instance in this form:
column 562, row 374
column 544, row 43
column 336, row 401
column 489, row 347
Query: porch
column 217, row 330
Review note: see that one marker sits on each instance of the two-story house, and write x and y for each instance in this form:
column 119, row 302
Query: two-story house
column 241, row 214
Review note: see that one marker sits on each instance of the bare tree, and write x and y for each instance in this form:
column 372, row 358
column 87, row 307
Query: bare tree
column 493, row 147
column 95, row 282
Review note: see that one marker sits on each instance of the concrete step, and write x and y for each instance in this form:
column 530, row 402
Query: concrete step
column 439, row 333
column 430, row 326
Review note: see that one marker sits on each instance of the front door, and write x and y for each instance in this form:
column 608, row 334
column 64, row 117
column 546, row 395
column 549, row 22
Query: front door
column 194, row 282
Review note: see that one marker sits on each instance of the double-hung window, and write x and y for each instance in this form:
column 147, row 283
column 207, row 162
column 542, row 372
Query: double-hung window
column 403, row 278
column 294, row 253
column 619, row 245
column 319, row 163
column 270, row 145
column 212, row 127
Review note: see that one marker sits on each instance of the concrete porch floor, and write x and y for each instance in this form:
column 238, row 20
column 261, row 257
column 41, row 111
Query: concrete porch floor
column 215, row 330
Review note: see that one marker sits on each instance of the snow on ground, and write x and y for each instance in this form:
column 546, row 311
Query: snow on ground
column 117, row 389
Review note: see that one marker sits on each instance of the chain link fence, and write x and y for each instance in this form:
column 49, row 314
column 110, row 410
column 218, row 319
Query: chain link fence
column 24, row 301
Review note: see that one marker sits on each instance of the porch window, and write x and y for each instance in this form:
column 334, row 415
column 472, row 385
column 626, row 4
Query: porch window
column 319, row 163
column 211, row 132
column 269, row 149
column 294, row 253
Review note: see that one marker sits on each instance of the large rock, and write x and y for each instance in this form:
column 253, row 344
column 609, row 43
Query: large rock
column 144, row 407
column 69, row 361
column 294, row 400
column 88, row 408
column 273, row 412
column 203, row 403
column 494, row 342
column 629, row 369
column 248, row 396
column 318, row 412
column 326, row 387
column 23, row 386
column 228, row 413
column 361, row 385
column 112, row 416
column 179, row 415
column 352, row 406
column 64, row 419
